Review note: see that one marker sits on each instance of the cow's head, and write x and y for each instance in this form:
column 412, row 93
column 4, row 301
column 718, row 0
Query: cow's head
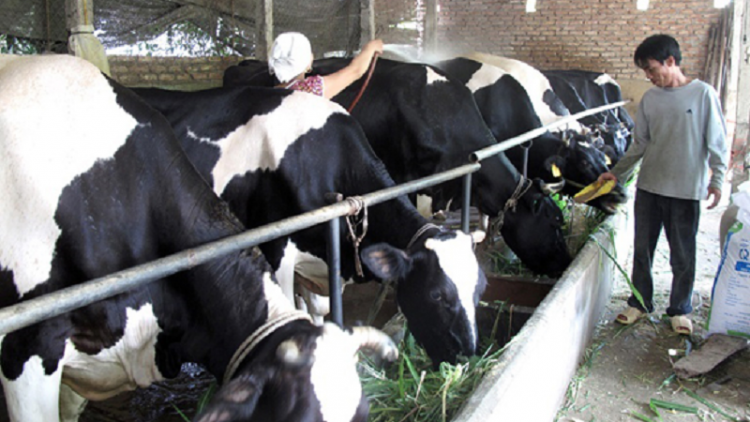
column 580, row 163
column 616, row 139
column 439, row 284
column 533, row 230
column 301, row 372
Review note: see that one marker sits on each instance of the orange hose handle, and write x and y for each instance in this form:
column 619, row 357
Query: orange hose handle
column 367, row 81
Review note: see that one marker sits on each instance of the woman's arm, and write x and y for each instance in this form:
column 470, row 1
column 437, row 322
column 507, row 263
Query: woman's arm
column 338, row 81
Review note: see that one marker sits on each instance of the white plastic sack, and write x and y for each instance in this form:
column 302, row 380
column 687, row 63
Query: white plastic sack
column 730, row 298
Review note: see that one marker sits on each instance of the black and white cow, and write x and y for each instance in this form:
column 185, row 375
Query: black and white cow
column 94, row 182
column 419, row 121
column 581, row 90
column 575, row 160
column 547, row 105
column 274, row 153
column 508, row 111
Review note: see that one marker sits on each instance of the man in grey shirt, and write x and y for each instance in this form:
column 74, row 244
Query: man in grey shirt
column 680, row 138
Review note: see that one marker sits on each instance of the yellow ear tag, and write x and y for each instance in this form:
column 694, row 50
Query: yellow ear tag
column 556, row 171
column 607, row 160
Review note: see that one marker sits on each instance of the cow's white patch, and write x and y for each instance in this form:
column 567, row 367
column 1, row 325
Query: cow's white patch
column 424, row 205
column 261, row 143
column 316, row 305
column 278, row 303
column 5, row 59
column 333, row 375
column 605, row 79
column 285, row 272
column 193, row 135
column 33, row 397
column 58, row 116
column 433, row 76
column 126, row 365
column 532, row 80
column 295, row 264
column 457, row 259
column 485, row 76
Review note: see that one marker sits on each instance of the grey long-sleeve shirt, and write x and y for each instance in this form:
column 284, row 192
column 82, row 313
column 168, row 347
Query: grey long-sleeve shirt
column 680, row 134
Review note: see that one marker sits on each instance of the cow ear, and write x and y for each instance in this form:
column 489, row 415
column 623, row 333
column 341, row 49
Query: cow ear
column 386, row 262
column 234, row 401
column 555, row 165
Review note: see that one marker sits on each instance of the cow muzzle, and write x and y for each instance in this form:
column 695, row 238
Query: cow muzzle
column 551, row 188
column 376, row 342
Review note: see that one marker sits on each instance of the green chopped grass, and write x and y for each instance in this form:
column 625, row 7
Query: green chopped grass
column 410, row 390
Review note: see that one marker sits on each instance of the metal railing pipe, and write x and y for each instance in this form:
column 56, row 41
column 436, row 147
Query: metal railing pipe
column 466, row 203
column 53, row 304
column 517, row 140
column 334, row 272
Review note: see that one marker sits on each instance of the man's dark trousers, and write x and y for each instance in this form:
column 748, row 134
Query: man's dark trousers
column 679, row 218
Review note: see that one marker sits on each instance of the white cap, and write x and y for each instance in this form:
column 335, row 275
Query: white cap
column 290, row 55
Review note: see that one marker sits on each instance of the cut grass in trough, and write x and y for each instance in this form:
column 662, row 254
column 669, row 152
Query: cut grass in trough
column 411, row 390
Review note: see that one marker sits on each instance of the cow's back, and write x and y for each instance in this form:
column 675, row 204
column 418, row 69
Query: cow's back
column 97, row 183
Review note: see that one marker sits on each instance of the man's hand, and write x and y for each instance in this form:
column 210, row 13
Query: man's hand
column 716, row 192
column 607, row 176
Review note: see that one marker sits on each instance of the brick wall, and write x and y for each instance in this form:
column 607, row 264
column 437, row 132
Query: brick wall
column 173, row 72
column 598, row 35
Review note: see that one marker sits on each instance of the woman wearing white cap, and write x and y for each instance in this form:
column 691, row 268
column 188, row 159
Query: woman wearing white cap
column 291, row 58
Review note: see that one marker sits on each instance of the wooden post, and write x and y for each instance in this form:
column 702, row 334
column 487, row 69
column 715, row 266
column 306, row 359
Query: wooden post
column 430, row 26
column 367, row 21
column 264, row 22
column 79, row 17
column 740, row 157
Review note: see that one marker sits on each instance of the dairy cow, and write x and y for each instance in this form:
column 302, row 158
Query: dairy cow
column 94, row 182
column 273, row 153
column 419, row 121
column 581, row 90
column 547, row 105
column 508, row 112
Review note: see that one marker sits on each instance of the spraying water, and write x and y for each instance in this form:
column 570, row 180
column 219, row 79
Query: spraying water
column 412, row 54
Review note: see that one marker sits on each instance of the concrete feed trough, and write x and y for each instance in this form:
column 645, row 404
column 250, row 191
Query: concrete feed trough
column 531, row 379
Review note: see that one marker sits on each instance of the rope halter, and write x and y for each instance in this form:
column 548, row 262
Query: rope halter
column 357, row 203
column 523, row 186
column 259, row 335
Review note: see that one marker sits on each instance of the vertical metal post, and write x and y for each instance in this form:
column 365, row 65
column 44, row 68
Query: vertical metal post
column 466, row 203
column 334, row 272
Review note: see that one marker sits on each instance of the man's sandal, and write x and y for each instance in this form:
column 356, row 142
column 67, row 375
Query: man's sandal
column 681, row 324
column 629, row 316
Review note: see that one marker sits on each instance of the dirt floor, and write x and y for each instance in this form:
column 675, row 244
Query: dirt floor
column 627, row 366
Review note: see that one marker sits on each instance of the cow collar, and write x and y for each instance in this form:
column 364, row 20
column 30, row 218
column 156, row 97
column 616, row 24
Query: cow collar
column 259, row 335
